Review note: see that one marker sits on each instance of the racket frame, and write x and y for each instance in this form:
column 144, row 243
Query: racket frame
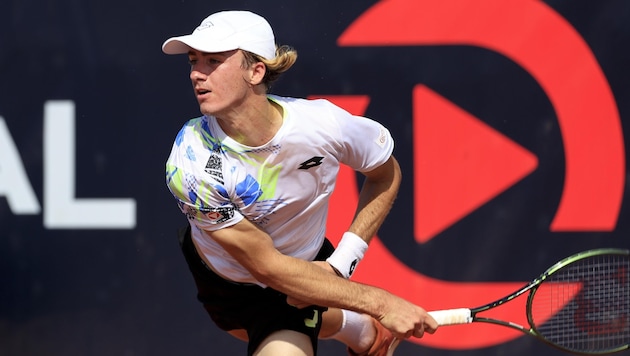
column 465, row 315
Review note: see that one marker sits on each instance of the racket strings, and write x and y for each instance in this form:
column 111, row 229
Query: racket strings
column 585, row 305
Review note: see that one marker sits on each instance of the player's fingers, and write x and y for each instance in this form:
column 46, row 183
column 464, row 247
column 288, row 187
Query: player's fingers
column 419, row 332
column 430, row 330
column 406, row 335
column 402, row 336
column 430, row 325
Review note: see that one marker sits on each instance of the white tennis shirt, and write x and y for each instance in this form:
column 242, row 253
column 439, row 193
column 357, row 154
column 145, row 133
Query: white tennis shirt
column 283, row 186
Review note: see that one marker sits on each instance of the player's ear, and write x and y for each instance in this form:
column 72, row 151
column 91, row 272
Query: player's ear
column 257, row 73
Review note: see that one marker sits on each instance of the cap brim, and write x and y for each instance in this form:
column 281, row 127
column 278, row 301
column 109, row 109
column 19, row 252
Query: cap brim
column 183, row 44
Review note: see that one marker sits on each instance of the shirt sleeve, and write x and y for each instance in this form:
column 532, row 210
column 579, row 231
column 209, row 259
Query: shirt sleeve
column 366, row 143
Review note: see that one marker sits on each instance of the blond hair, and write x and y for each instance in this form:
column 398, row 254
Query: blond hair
column 284, row 59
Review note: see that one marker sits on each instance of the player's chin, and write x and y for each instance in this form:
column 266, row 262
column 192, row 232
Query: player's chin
column 207, row 108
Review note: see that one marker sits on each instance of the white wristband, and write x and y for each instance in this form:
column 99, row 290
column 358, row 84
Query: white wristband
column 348, row 253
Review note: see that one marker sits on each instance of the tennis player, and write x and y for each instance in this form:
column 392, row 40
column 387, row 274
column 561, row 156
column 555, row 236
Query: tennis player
column 254, row 176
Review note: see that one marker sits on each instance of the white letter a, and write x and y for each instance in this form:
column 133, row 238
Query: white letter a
column 14, row 183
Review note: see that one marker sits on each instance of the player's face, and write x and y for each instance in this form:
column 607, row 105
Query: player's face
column 218, row 81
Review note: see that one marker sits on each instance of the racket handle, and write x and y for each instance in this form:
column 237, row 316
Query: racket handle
column 452, row 316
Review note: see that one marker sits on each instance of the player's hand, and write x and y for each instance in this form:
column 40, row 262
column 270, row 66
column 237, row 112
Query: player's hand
column 405, row 319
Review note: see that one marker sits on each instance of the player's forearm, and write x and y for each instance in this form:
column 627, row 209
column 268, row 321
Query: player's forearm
column 312, row 284
column 375, row 201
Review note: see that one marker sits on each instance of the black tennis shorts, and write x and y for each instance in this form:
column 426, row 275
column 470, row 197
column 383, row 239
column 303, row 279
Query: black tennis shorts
column 260, row 311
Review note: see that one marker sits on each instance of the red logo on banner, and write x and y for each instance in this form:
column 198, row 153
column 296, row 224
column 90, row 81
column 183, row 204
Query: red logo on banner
column 538, row 39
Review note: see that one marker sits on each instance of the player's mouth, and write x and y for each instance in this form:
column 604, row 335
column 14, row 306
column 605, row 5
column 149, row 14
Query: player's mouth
column 201, row 92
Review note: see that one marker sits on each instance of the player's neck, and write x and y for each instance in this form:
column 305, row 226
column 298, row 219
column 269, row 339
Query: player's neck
column 254, row 124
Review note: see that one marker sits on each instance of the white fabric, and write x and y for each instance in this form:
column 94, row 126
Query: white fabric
column 357, row 330
column 348, row 254
column 283, row 186
column 226, row 31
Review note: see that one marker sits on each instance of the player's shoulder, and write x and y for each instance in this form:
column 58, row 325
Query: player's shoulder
column 312, row 103
column 316, row 108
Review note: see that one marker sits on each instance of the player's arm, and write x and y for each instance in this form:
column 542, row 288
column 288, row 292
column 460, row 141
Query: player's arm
column 305, row 281
column 376, row 198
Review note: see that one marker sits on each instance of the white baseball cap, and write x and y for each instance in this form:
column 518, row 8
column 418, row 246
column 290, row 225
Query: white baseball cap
column 226, row 31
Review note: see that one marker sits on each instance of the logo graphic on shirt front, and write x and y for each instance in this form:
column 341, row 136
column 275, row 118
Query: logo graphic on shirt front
column 214, row 167
column 313, row 162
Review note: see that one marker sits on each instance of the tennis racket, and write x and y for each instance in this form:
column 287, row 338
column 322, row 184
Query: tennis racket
column 587, row 296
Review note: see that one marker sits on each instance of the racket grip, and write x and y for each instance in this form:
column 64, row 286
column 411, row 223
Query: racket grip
column 452, row 316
